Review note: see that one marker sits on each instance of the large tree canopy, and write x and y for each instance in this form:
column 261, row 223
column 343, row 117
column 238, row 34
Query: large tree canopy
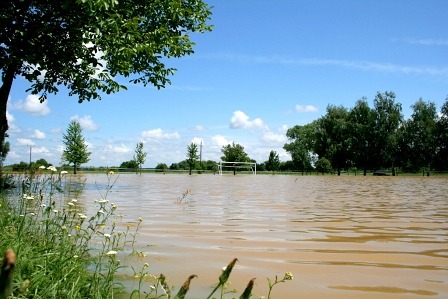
column 85, row 44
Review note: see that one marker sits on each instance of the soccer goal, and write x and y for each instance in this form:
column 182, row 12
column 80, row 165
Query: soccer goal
column 253, row 166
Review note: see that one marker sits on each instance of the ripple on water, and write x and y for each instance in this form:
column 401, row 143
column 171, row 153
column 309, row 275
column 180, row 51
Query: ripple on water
column 351, row 235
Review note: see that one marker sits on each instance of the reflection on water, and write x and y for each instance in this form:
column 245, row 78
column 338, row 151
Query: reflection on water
column 341, row 237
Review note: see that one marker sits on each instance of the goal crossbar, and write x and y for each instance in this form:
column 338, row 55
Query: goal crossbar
column 253, row 166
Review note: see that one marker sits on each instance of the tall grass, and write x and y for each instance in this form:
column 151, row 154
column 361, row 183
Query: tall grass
column 62, row 252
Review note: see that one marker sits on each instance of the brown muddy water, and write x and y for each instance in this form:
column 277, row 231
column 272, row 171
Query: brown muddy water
column 341, row 237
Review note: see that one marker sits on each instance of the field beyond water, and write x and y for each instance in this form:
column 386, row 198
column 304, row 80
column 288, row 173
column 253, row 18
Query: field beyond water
column 341, row 237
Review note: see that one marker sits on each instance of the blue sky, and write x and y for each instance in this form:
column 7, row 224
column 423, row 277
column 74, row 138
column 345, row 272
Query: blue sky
column 267, row 66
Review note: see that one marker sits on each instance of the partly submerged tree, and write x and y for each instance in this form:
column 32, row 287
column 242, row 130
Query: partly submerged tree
column 323, row 165
column 140, row 156
column 131, row 164
column 161, row 167
column 75, row 150
column 192, row 156
column 388, row 118
column 5, row 148
column 234, row 153
column 361, row 124
column 42, row 162
column 273, row 162
column 302, row 140
column 422, row 134
column 86, row 44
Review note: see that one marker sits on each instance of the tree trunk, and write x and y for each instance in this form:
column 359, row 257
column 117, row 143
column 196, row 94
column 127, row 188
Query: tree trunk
column 4, row 94
column 189, row 171
column 75, row 166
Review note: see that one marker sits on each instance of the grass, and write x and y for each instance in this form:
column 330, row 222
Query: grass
column 61, row 252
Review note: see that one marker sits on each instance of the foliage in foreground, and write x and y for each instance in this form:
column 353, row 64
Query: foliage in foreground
column 64, row 253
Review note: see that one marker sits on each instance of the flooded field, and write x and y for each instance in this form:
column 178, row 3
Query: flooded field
column 341, row 237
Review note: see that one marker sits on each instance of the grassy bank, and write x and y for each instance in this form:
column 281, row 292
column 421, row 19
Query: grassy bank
column 64, row 251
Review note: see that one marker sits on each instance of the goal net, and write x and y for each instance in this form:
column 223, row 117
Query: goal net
column 252, row 165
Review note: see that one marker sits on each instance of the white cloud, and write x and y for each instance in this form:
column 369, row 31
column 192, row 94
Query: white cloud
column 270, row 137
column 13, row 129
column 13, row 155
column 219, row 140
column 10, row 117
column 38, row 135
column 86, row 123
column 25, row 142
column 240, row 120
column 122, row 149
column 197, row 141
column 428, row 41
column 355, row 64
column 159, row 134
column 283, row 129
column 56, row 131
column 307, row 108
column 33, row 106
column 41, row 151
column 198, row 128
column 89, row 145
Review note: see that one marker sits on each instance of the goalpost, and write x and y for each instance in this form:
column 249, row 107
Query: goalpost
column 253, row 166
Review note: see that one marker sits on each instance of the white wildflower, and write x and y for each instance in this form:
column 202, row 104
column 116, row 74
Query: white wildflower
column 52, row 168
column 112, row 252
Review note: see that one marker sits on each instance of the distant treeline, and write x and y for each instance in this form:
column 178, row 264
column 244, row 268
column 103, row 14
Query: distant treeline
column 356, row 139
column 373, row 138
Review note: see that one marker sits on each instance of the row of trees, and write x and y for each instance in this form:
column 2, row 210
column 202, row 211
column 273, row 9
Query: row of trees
column 361, row 137
column 373, row 138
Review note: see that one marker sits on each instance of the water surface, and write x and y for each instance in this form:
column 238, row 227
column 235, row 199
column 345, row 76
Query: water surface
column 341, row 237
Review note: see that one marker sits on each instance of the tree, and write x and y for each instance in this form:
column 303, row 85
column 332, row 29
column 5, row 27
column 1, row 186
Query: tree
column 442, row 138
column 273, row 163
column 162, row 167
column 85, row 45
column 42, row 162
column 131, row 164
column 361, row 121
column 335, row 122
column 210, row 165
column 192, row 156
column 388, row 118
column 421, row 133
column 302, row 138
column 5, row 148
column 75, row 150
column 323, row 165
column 140, row 156
column 234, row 153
